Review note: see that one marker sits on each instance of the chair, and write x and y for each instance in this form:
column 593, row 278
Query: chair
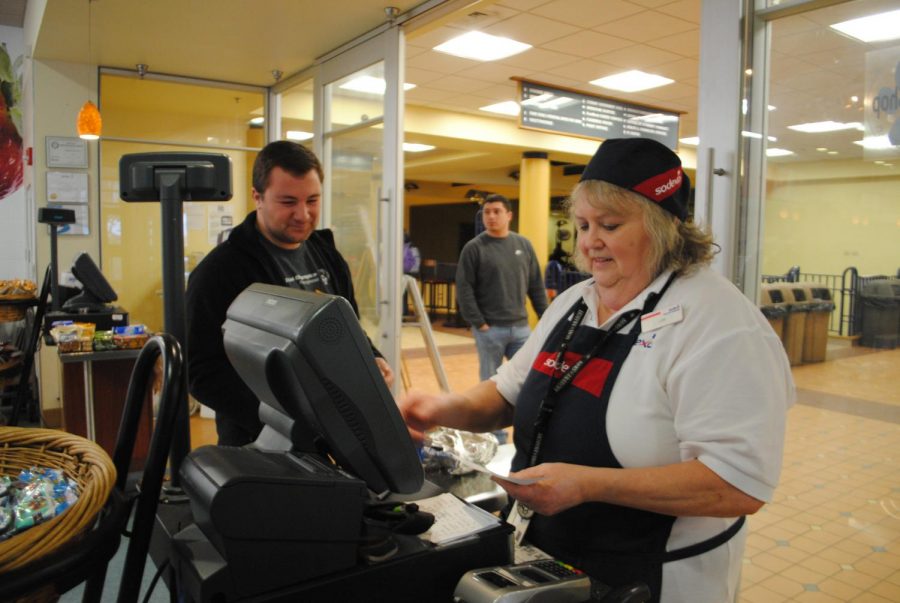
column 29, row 349
column 86, row 559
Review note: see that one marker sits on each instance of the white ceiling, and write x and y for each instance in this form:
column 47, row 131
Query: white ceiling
column 815, row 70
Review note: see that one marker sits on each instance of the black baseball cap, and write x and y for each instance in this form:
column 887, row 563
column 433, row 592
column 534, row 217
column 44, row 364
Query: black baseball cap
column 644, row 166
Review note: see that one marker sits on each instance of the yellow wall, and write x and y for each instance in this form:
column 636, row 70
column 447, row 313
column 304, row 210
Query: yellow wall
column 131, row 235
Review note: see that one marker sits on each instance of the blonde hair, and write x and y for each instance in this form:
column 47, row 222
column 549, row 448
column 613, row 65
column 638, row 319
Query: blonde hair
column 674, row 244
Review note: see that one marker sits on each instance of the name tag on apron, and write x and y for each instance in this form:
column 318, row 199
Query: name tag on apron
column 519, row 517
column 661, row 318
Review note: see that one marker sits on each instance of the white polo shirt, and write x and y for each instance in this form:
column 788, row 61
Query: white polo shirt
column 714, row 386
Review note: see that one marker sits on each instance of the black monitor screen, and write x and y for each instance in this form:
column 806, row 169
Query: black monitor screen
column 96, row 291
column 306, row 358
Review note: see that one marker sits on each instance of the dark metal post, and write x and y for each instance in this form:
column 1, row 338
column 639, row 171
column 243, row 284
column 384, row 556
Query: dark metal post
column 170, row 183
column 54, row 269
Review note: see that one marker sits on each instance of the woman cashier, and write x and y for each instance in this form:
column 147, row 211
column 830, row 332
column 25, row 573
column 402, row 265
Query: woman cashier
column 649, row 401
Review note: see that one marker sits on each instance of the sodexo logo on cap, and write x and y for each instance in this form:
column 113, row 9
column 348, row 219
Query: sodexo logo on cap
column 644, row 166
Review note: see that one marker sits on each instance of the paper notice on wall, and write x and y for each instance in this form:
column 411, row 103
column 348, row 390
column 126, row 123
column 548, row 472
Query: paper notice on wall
column 81, row 226
column 67, row 187
column 194, row 216
column 220, row 219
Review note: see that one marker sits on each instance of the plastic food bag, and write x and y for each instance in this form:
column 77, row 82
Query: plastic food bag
column 445, row 446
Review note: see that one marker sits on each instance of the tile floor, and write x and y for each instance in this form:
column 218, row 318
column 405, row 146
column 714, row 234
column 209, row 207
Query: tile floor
column 832, row 533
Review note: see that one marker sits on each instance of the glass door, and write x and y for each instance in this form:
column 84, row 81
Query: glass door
column 831, row 158
column 358, row 122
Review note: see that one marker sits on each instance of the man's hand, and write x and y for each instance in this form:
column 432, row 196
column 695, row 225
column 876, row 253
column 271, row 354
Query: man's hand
column 484, row 327
column 386, row 371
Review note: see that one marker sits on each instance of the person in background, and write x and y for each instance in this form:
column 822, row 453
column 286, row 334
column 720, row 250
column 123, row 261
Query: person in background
column 412, row 262
column 412, row 259
column 277, row 244
column 650, row 402
column 497, row 270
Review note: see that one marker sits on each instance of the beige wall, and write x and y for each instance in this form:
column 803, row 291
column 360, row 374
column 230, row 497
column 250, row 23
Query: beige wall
column 829, row 216
column 60, row 88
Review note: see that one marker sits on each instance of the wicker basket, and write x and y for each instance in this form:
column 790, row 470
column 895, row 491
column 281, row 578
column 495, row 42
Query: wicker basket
column 80, row 460
column 10, row 312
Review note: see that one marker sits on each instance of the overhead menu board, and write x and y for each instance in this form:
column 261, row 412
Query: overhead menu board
column 567, row 111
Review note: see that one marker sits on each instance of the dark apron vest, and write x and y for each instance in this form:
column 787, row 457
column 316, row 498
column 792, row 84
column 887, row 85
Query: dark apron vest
column 613, row 544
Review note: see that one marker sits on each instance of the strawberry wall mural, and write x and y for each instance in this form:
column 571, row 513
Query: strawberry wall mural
column 10, row 123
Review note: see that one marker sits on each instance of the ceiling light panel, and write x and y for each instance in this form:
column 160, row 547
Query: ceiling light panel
column 369, row 85
column 632, row 81
column 504, row 108
column 479, row 46
column 826, row 126
column 874, row 28
column 415, row 147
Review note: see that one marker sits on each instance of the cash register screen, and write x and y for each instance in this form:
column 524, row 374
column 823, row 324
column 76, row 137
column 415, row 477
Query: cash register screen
column 306, row 358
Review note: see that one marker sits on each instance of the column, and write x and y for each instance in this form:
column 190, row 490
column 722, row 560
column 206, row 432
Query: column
column 534, row 207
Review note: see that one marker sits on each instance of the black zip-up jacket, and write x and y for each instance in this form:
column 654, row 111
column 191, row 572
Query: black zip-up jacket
column 231, row 267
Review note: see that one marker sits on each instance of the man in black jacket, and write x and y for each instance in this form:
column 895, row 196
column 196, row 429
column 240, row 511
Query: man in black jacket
column 277, row 244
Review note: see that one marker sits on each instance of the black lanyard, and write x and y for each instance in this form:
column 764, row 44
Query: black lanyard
column 559, row 380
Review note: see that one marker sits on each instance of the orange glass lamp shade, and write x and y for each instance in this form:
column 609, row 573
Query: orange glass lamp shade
column 89, row 123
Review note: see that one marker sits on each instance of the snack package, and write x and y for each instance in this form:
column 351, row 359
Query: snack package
column 73, row 336
column 37, row 495
column 130, row 337
column 103, row 341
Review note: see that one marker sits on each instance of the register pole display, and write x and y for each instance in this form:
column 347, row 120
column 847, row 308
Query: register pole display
column 172, row 179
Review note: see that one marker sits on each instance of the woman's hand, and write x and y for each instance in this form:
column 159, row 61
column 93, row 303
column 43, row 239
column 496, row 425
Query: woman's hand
column 688, row 488
column 419, row 411
column 560, row 487
column 478, row 409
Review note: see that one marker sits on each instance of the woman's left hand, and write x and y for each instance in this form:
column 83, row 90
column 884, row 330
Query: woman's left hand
column 559, row 487
column 688, row 488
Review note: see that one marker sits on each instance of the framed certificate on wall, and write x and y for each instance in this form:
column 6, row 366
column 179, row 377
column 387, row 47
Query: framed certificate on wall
column 66, row 152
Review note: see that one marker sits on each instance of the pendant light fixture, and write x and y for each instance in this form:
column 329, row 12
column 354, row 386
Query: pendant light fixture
column 89, row 123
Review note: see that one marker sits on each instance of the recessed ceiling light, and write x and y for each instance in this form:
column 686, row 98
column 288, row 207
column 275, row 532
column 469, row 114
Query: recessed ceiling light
column 821, row 149
column 298, row 135
column 874, row 28
column 504, row 108
column 832, row 152
column 414, row 147
column 480, row 46
column 369, row 84
column 744, row 107
column 776, row 152
column 257, row 121
column 825, row 126
column 758, row 136
column 690, row 140
column 875, row 143
column 632, row 81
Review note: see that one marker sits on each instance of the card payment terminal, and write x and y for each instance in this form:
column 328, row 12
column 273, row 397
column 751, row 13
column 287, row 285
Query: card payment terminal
column 538, row 580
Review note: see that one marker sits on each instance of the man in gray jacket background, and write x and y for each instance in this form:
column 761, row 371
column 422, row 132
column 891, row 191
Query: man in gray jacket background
column 496, row 270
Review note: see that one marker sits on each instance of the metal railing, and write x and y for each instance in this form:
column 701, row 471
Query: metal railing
column 845, row 291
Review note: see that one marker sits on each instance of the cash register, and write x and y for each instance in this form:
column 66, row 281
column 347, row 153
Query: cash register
column 290, row 517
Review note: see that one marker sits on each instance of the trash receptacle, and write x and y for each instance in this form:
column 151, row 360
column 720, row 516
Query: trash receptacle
column 880, row 304
column 774, row 308
column 818, row 316
column 794, row 320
